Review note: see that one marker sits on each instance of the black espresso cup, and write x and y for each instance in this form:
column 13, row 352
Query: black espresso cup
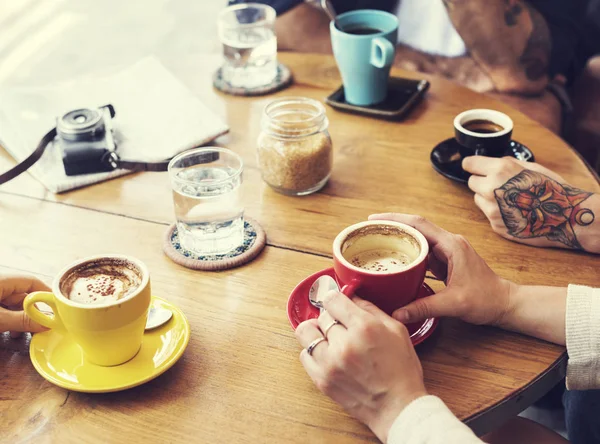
column 483, row 132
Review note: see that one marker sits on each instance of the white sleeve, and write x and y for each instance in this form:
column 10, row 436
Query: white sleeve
column 427, row 420
column 583, row 337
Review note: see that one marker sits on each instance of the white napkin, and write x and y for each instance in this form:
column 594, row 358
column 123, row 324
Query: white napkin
column 156, row 118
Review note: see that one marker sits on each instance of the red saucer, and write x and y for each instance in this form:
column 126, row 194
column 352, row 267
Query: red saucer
column 299, row 308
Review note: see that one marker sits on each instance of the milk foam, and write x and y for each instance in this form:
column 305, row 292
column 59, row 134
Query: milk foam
column 380, row 260
column 100, row 284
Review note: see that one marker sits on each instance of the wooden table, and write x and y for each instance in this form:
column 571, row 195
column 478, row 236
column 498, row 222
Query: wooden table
column 240, row 379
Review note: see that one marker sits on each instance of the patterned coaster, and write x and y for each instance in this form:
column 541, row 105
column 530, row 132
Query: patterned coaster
column 254, row 241
column 282, row 80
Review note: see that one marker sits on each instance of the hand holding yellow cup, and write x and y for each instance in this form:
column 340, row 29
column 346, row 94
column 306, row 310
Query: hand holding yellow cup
column 102, row 302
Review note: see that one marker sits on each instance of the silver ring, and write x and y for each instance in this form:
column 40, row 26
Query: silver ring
column 313, row 344
column 335, row 322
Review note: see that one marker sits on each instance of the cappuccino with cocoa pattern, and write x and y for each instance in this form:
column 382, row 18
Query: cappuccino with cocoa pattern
column 101, row 281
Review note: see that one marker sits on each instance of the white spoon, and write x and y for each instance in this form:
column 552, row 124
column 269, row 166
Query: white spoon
column 157, row 316
column 330, row 10
column 319, row 289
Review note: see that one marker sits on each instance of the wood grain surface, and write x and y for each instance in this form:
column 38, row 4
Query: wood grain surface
column 240, row 379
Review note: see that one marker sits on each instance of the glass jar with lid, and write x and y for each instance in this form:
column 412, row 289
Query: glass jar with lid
column 295, row 153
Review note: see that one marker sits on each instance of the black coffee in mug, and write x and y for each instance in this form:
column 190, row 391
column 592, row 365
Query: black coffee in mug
column 362, row 30
column 483, row 132
column 482, row 126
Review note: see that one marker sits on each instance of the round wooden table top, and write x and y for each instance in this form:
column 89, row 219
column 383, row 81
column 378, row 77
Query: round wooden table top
column 240, row 379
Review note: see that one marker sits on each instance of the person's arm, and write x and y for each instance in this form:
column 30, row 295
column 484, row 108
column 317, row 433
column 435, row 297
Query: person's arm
column 509, row 39
column 563, row 316
column 475, row 294
column 464, row 70
column 300, row 26
column 428, row 420
column 537, row 311
column 303, row 29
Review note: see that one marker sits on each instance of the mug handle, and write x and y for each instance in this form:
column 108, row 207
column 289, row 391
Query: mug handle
column 382, row 52
column 350, row 288
column 36, row 315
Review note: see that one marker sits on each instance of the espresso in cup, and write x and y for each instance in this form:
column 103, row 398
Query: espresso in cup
column 101, row 281
column 483, row 132
column 482, row 126
column 383, row 262
column 361, row 30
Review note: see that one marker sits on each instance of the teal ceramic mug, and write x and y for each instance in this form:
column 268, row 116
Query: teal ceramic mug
column 364, row 50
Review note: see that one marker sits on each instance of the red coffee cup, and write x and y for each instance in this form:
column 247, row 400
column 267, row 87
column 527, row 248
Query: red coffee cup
column 390, row 282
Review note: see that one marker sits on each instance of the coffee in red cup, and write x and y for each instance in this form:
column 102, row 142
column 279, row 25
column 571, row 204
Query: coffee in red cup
column 383, row 262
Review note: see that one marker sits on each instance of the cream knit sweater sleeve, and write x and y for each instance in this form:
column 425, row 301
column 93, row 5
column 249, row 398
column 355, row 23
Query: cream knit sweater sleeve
column 427, row 420
column 583, row 337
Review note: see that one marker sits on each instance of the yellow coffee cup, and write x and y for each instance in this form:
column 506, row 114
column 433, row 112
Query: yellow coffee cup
column 108, row 332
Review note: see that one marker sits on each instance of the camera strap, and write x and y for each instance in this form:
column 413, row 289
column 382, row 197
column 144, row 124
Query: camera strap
column 33, row 158
column 112, row 160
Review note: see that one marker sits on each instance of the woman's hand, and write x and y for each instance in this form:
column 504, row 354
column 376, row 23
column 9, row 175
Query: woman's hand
column 473, row 293
column 367, row 364
column 13, row 290
column 530, row 204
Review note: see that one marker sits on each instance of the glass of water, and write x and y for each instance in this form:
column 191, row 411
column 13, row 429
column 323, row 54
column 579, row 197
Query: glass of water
column 206, row 186
column 247, row 32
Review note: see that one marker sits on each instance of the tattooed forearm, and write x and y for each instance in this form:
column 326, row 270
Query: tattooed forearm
column 509, row 39
column 536, row 54
column 512, row 11
column 534, row 205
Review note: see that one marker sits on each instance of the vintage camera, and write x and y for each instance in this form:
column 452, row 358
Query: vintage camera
column 86, row 139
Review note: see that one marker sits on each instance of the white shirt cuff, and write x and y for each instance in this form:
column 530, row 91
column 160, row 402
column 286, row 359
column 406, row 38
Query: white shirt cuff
column 427, row 420
column 583, row 337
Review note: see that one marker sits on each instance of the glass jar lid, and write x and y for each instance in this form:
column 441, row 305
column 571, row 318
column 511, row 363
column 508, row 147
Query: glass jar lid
column 294, row 117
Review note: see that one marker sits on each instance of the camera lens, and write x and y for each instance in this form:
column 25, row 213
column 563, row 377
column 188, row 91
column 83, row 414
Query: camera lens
column 80, row 124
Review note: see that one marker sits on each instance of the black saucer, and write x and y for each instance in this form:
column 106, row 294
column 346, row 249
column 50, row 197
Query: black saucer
column 447, row 161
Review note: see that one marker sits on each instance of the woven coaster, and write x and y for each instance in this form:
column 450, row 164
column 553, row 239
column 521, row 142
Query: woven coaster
column 282, row 80
column 254, row 241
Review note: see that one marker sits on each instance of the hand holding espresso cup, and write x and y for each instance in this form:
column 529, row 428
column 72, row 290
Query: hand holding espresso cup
column 488, row 175
column 483, row 132
column 473, row 293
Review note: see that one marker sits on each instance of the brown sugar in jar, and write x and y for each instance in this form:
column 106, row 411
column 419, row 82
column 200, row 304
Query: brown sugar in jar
column 295, row 153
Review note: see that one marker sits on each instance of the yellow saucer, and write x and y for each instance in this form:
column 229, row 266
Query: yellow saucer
column 59, row 359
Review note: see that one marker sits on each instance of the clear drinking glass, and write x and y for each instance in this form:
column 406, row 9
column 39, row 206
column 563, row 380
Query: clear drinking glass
column 247, row 32
column 206, row 186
